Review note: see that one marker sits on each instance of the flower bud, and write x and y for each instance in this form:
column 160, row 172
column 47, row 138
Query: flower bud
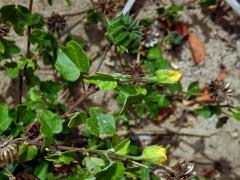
column 167, row 76
column 154, row 154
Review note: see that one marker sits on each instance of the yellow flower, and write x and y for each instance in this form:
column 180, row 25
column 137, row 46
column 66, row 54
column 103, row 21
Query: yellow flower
column 154, row 154
column 175, row 75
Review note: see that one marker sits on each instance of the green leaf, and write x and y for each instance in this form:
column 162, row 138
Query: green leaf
column 207, row 3
column 77, row 119
column 71, row 61
column 94, row 164
column 155, row 53
column 66, row 157
column 204, row 111
column 18, row 15
column 122, row 147
column 124, row 32
column 12, row 70
column 41, row 170
column 208, row 111
column 221, row 121
column 236, row 115
column 175, row 88
column 27, row 153
column 26, row 114
column 2, row 48
column 114, row 172
column 103, row 81
column 50, row 88
column 193, row 90
column 51, row 123
column 130, row 95
column 69, row 2
column 5, row 120
column 174, row 38
column 100, row 123
column 10, row 49
column 34, row 94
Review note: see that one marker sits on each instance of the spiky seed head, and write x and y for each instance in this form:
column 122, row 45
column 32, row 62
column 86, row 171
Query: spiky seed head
column 219, row 91
column 56, row 23
column 150, row 36
column 107, row 7
column 33, row 130
column 4, row 29
column 8, row 152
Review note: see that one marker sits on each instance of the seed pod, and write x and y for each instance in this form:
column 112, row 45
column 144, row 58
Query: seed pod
column 107, row 7
column 8, row 152
column 150, row 36
column 4, row 29
column 135, row 70
column 179, row 171
column 219, row 91
column 56, row 23
column 33, row 130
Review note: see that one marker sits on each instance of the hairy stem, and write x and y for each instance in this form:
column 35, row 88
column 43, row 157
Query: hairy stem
column 29, row 29
column 107, row 49
column 114, row 156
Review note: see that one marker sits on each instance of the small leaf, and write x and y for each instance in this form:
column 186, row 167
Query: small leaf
column 100, row 123
column 175, row 88
column 66, row 157
column 94, row 164
column 204, row 111
column 130, row 95
column 114, row 171
column 122, row 147
column 77, row 119
column 26, row 114
column 12, row 70
column 207, row 3
column 18, row 15
column 221, row 121
column 193, row 90
column 71, row 61
column 103, row 81
column 41, row 170
column 5, row 120
column 155, row 53
column 69, row 2
column 11, row 48
column 51, row 123
column 236, row 115
column 27, row 153
column 208, row 111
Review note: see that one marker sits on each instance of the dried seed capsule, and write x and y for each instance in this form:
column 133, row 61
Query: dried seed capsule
column 33, row 130
column 150, row 36
column 56, row 23
column 4, row 29
column 107, row 7
column 219, row 91
column 8, row 152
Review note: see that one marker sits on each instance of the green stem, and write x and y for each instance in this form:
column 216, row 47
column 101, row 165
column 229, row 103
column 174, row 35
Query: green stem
column 113, row 156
